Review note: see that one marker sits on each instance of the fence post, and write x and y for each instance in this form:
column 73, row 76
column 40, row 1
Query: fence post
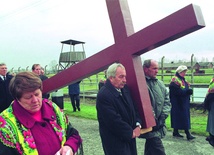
column 192, row 77
column 162, row 60
column 83, row 90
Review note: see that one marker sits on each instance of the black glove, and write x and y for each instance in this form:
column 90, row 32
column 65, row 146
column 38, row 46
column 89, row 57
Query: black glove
column 155, row 128
column 189, row 91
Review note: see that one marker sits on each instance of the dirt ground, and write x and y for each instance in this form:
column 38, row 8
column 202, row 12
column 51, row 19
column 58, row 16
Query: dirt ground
column 89, row 132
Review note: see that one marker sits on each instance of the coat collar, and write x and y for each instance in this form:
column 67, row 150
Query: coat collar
column 149, row 78
column 113, row 90
column 27, row 120
column 178, row 75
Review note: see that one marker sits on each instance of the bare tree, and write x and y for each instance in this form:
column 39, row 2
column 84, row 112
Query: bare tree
column 52, row 66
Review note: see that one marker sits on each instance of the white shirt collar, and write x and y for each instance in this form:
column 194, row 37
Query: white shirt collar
column 2, row 77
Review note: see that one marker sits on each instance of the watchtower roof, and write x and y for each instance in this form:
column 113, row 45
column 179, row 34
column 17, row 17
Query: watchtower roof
column 72, row 42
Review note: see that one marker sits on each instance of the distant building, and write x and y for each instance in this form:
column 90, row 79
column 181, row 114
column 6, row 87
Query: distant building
column 196, row 66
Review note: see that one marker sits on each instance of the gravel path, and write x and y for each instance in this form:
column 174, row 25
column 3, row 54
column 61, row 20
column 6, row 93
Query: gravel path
column 88, row 130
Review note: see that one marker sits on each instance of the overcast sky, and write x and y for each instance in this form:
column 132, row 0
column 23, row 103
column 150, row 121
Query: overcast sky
column 31, row 30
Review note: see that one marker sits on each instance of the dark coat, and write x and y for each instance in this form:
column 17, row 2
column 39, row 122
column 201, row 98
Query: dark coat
column 209, row 105
column 5, row 96
column 117, row 120
column 180, row 100
column 74, row 88
column 44, row 95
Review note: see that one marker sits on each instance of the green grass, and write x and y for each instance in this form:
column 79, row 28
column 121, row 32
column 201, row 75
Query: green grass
column 198, row 122
column 88, row 111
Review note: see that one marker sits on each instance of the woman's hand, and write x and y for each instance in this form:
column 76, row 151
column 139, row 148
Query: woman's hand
column 65, row 150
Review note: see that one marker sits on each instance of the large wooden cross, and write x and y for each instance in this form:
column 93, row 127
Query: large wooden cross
column 127, row 50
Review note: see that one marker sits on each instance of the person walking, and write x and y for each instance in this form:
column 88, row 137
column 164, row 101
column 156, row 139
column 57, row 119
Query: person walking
column 159, row 97
column 209, row 106
column 119, row 122
column 5, row 96
column 74, row 94
column 180, row 92
column 102, row 81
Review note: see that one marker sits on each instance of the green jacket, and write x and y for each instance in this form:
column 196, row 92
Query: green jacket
column 161, row 105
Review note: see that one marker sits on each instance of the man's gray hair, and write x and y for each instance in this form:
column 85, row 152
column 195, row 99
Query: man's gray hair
column 147, row 63
column 111, row 71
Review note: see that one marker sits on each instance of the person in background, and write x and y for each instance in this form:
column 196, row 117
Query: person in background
column 102, row 81
column 74, row 93
column 161, row 105
column 180, row 92
column 209, row 106
column 119, row 123
column 32, row 125
column 36, row 68
column 42, row 71
column 5, row 96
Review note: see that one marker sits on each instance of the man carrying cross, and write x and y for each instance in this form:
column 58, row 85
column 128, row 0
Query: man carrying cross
column 119, row 124
column 161, row 106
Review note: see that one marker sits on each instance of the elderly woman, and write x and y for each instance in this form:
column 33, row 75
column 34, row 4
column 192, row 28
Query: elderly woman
column 33, row 126
column 209, row 106
column 180, row 92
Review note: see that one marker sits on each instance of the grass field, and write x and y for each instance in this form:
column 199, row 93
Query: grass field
column 88, row 111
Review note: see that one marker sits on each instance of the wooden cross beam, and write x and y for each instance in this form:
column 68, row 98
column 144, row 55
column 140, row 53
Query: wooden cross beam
column 127, row 50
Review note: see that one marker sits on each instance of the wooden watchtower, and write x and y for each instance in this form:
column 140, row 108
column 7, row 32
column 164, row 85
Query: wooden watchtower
column 71, row 57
